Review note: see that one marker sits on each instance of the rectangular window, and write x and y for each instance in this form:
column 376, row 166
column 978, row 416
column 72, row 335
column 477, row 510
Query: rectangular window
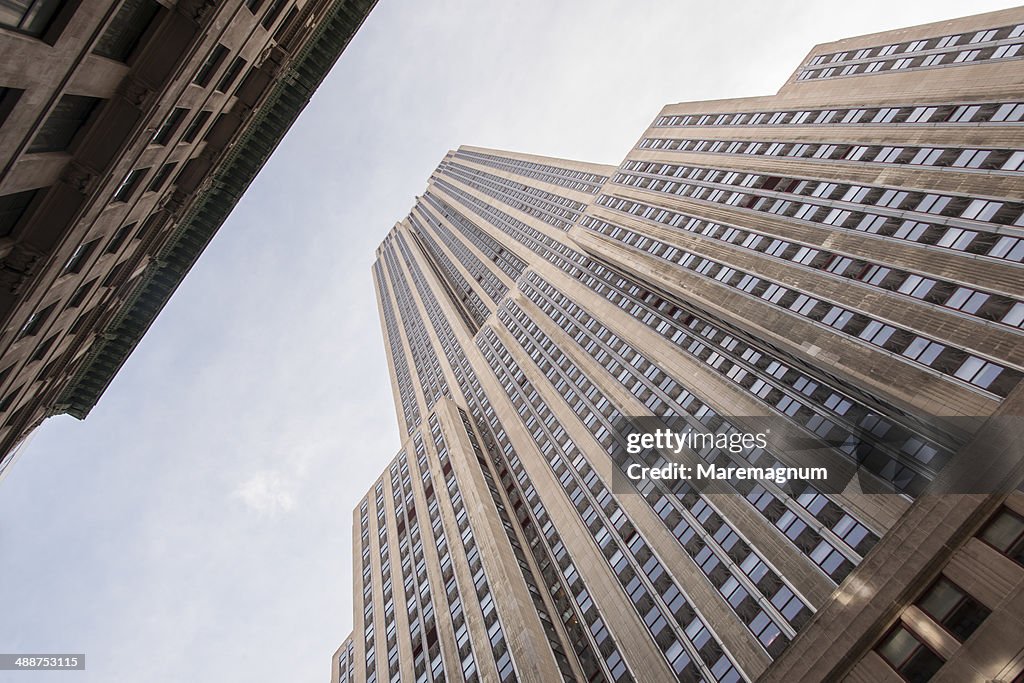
column 169, row 127
column 28, row 16
column 119, row 238
column 953, row 609
column 197, row 125
column 210, row 66
column 126, row 189
column 41, row 350
column 8, row 98
column 1005, row 533
column 79, row 257
column 12, row 208
column 35, row 322
column 272, row 13
column 125, row 30
column 8, row 400
column 292, row 13
column 231, row 74
column 79, row 296
column 161, row 177
column 62, row 125
column 908, row 656
column 114, row 275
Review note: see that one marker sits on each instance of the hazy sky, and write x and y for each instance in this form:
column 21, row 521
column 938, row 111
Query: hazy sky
column 196, row 527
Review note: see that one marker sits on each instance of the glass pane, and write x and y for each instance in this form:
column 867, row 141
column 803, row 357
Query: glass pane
column 898, row 646
column 126, row 28
column 1003, row 530
column 940, row 600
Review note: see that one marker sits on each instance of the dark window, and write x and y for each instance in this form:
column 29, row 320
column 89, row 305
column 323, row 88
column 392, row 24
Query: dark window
column 42, row 349
column 1005, row 533
column 28, row 16
column 220, row 117
column 147, row 226
column 80, row 257
column 127, row 187
column 12, row 208
column 253, row 5
column 5, row 404
column 231, row 74
column 169, row 127
column 126, row 29
column 79, row 296
column 955, row 610
column 8, row 98
column 114, row 274
column 63, row 123
column 35, row 322
column 908, row 656
column 161, row 176
column 210, row 66
column 118, row 239
column 79, row 323
column 197, row 124
column 272, row 13
column 286, row 24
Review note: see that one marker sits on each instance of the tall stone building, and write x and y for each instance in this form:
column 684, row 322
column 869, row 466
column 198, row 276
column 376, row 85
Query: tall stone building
column 128, row 131
column 840, row 262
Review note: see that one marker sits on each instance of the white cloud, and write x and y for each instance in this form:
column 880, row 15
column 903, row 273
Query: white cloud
column 266, row 492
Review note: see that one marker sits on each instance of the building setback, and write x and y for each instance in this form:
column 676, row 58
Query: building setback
column 128, row 131
column 842, row 258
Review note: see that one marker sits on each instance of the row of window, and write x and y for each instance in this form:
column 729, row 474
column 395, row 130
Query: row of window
column 582, row 645
column 369, row 630
column 938, row 46
column 951, row 361
column 554, row 641
column 427, row 661
column 985, row 305
column 465, row 298
column 428, row 371
column 728, row 562
column 583, row 269
column 890, row 213
column 950, row 607
column 46, row 19
column 808, row 521
column 403, row 378
column 933, row 59
column 555, row 175
column 495, row 632
column 863, row 411
column 387, row 590
column 977, row 37
column 481, row 272
column 460, row 627
column 974, row 112
column 80, row 260
column 553, row 209
column 938, row 157
column 866, row 407
column 507, row 261
column 689, row 646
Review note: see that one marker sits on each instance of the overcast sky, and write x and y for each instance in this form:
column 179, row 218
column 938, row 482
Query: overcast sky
column 196, row 527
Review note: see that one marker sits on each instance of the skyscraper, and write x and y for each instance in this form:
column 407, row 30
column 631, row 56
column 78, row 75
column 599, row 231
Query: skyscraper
column 834, row 269
column 128, row 131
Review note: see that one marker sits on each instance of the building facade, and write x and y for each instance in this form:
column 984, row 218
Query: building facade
column 841, row 261
column 128, row 130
